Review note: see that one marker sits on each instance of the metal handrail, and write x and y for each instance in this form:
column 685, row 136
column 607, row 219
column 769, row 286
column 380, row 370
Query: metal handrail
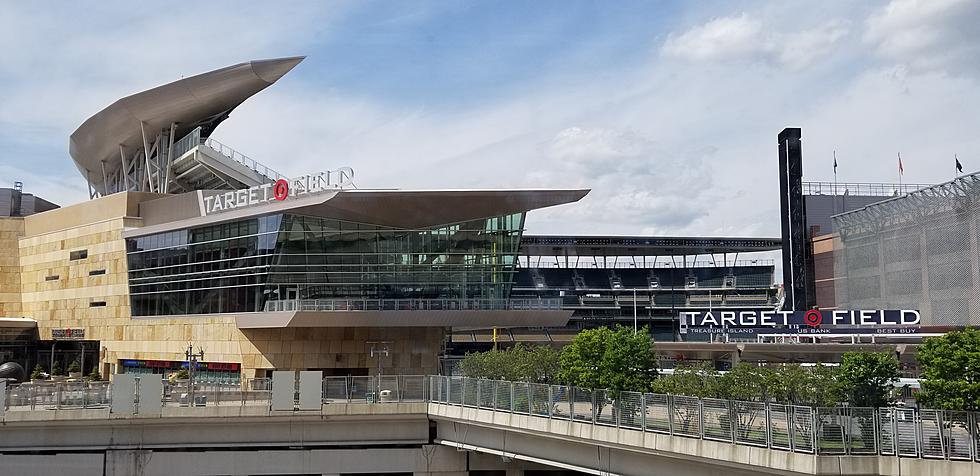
column 346, row 305
column 869, row 189
column 855, row 431
column 243, row 159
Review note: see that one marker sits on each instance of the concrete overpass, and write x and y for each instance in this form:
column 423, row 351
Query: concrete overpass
column 454, row 430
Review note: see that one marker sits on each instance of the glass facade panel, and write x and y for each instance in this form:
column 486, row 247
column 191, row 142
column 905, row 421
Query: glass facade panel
column 238, row 266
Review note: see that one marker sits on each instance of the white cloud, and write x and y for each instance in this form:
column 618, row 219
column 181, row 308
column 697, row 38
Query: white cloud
column 928, row 35
column 745, row 37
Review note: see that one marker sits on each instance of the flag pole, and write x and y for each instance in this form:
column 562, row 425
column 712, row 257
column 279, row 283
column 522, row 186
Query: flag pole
column 835, row 182
column 900, row 173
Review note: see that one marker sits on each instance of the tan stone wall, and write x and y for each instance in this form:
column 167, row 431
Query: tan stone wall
column 10, row 230
column 65, row 303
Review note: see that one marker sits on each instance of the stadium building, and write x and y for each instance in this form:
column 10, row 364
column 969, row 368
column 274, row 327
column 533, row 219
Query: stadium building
column 185, row 241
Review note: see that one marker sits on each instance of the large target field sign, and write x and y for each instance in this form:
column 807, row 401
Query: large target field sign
column 812, row 318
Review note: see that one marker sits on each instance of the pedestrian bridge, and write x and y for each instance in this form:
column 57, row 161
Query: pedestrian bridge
column 454, row 426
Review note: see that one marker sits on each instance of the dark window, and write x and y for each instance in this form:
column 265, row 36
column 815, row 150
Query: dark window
column 96, row 304
column 52, row 278
column 96, row 272
column 79, row 254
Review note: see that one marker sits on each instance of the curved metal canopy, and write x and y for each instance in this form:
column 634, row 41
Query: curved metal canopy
column 202, row 100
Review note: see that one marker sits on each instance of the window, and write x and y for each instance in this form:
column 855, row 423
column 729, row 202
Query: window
column 52, row 278
column 96, row 304
column 96, row 272
column 77, row 255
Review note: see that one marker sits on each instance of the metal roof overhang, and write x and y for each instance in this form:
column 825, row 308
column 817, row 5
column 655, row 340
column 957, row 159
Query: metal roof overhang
column 471, row 319
column 553, row 245
column 186, row 102
column 405, row 209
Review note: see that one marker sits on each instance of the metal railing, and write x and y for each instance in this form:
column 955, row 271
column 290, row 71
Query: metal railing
column 855, row 431
column 550, row 262
column 411, row 304
column 860, row 188
column 193, row 139
column 905, row 432
column 57, row 395
column 243, row 159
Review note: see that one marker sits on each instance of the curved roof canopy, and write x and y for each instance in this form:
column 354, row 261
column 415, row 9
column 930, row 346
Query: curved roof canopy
column 201, row 100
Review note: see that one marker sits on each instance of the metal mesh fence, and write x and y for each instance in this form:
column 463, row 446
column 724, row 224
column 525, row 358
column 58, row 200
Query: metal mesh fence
column 456, row 390
column 521, row 403
column 686, row 415
column 334, row 389
column 802, row 429
column 931, row 424
column 750, row 423
column 581, row 404
column 657, row 416
column 469, row 392
column 605, row 410
column 540, row 399
column 913, row 252
column 859, row 426
column 830, row 430
column 630, row 407
column 717, row 418
column 959, row 443
column 561, row 407
column 504, row 391
column 486, row 391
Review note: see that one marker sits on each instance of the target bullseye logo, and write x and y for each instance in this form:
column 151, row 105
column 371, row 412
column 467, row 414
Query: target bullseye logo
column 813, row 318
column 281, row 189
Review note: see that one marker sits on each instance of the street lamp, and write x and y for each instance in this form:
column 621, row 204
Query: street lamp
column 379, row 349
column 192, row 360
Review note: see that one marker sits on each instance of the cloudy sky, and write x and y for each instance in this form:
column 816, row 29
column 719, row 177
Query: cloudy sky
column 668, row 111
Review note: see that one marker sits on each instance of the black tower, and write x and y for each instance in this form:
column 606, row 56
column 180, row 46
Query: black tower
column 793, row 219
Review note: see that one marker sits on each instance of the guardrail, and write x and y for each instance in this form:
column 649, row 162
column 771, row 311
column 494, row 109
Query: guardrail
column 331, row 305
column 905, row 432
column 902, row 432
column 861, row 188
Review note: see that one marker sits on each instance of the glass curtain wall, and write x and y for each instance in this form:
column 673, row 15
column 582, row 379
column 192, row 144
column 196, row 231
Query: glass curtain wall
column 237, row 266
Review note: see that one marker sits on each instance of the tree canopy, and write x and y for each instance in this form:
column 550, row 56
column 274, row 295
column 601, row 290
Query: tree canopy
column 519, row 363
column 615, row 359
column 951, row 371
column 868, row 378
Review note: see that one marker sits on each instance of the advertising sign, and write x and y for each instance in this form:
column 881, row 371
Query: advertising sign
column 68, row 334
column 280, row 190
column 812, row 318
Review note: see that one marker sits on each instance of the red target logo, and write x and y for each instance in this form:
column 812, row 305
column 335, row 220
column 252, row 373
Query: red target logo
column 281, row 189
column 813, row 318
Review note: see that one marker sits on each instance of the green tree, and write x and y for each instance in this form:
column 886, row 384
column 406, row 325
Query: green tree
column 74, row 367
column 37, row 373
column 520, row 363
column 56, row 369
column 951, row 371
column 867, row 378
column 615, row 359
column 94, row 375
column 746, row 382
column 698, row 379
column 817, row 385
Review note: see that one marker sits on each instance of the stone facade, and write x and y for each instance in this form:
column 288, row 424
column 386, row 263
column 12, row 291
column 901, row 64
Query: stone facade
column 11, row 229
column 72, row 273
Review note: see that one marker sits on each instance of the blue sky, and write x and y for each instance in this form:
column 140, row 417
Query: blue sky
column 669, row 111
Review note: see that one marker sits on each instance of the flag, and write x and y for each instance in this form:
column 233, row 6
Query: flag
column 959, row 166
column 901, row 170
column 835, row 161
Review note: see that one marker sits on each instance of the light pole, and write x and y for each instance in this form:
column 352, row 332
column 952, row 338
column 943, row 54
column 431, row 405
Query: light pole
column 379, row 349
column 192, row 360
